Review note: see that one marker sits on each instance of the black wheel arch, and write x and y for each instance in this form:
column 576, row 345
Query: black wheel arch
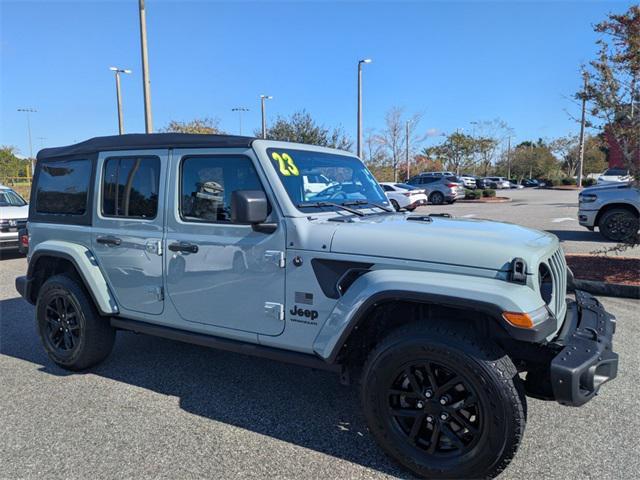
column 611, row 206
column 375, row 318
column 46, row 263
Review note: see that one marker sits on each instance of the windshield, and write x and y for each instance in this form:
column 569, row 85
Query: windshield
column 616, row 172
column 344, row 179
column 9, row 198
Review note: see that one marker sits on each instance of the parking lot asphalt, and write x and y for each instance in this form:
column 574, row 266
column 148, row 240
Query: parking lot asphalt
column 555, row 211
column 161, row 409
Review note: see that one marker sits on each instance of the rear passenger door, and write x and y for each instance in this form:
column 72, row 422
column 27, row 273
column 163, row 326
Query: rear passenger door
column 128, row 226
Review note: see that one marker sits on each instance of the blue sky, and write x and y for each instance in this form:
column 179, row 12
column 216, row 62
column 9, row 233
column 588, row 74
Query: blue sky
column 456, row 62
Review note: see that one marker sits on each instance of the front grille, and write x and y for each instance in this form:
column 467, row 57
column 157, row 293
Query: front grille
column 12, row 225
column 558, row 267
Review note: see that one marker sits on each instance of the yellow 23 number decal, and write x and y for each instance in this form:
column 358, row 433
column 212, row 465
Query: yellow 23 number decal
column 285, row 164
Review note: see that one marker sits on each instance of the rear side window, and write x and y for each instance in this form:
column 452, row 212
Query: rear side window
column 130, row 187
column 62, row 187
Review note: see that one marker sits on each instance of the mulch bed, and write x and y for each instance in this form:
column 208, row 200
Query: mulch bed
column 615, row 270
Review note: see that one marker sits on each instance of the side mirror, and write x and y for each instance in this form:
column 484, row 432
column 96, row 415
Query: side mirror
column 251, row 207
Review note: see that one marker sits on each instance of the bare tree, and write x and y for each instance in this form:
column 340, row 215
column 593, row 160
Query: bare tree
column 394, row 136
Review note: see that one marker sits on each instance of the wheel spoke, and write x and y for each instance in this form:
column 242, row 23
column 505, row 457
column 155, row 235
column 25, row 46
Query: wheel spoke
column 415, row 428
column 413, row 380
column 434, row 439
column 431, row 376
column 450, row 384
column 463, row 422
column 451, row 435
column 402, row 412
column 405, row 393
column 52, row 310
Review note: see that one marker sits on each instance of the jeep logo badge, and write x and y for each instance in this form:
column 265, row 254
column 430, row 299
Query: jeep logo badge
column 299, row 312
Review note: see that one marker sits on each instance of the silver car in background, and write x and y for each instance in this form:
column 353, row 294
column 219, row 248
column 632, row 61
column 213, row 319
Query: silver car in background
column 497, row 183
column 14, row 212
column 440, row 189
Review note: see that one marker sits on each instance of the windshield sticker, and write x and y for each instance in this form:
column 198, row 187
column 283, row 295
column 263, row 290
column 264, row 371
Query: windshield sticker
column 286, row 165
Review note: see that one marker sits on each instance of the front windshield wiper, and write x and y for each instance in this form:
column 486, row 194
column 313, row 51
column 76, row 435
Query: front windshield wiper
column 366, row 202
column 329, row 204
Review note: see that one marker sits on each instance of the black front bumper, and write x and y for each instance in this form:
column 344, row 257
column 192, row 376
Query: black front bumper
column 586, row 360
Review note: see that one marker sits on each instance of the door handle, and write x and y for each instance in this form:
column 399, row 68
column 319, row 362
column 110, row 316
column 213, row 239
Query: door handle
column 111, row 241
column 183, row 247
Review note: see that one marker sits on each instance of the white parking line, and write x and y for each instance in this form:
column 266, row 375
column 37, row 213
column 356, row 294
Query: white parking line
column 563, row 219
column 469, row 215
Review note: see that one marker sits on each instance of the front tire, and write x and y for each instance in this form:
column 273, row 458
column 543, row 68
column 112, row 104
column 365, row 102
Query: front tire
column 72, row 332
column 395, row 205
column 444, row 403
column 618, row 224
column 436, row 198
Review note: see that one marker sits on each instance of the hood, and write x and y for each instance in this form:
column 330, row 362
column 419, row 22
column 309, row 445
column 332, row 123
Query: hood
column 606, row 186
column 7, row 213
column 466, row 242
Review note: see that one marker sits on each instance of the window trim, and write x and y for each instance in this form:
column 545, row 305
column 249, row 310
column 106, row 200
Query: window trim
column 84, row 219
column 183, row 158
column 102, row 182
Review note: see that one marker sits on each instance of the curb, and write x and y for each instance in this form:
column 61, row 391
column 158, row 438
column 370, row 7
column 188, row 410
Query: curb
column 608, row 289
column 498, row 200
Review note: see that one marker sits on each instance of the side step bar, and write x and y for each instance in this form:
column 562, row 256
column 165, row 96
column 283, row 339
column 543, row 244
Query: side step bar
column 297, row 358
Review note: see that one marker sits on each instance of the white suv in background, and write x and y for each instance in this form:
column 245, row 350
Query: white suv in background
column 315, row 182
column 613, row 175
column 404, row 196
column 14, row 212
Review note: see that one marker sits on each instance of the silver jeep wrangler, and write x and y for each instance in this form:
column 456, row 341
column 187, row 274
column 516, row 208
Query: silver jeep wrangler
column 214, row 240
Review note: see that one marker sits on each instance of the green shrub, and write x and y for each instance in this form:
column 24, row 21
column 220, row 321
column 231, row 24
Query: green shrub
column 471, row 194
column 588, row 182
column 489, row 192
column 569, row 181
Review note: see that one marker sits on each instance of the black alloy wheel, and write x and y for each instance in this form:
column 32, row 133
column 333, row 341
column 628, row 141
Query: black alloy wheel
column 436, row 409
column 63, row 329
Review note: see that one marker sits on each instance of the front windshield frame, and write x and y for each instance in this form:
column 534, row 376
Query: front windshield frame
column 18, row 201
column 363, row 192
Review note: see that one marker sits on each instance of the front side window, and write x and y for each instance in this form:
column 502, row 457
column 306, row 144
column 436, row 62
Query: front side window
column 349, row 181
column 62, row 187
column 207, row 183
column 9, row 198
column 130, row 187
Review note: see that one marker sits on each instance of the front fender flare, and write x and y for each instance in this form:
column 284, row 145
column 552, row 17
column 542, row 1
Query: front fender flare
column 487, row 295
column 85, row 264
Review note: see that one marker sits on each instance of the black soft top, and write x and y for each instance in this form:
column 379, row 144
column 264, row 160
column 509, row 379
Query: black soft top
column 141, row 141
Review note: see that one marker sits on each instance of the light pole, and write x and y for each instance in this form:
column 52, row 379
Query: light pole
column 583, row 122
column 407, row 150
column 146, row 82
column 29, row 111
column 117, row 72
column 264, row 117
column 240, row 110
column 360, row 62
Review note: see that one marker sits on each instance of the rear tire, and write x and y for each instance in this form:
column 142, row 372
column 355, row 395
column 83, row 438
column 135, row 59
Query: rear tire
column 436, row 198
column 475, row 433
column 72, row 332
column 618, row 224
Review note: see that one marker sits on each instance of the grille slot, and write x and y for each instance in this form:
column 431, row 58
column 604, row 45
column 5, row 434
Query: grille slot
column 558, row 267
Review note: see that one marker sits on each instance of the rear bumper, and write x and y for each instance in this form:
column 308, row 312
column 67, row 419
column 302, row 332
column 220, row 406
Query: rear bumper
column 587, row 360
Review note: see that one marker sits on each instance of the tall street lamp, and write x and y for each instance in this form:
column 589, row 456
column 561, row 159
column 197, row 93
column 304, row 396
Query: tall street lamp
column 360, row 62
column 264, row 117
column 29, row 111
column 240, row 110
column 117, row 72
column 146, row 82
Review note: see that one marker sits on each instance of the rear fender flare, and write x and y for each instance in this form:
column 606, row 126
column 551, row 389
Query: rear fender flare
column 85, row 264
